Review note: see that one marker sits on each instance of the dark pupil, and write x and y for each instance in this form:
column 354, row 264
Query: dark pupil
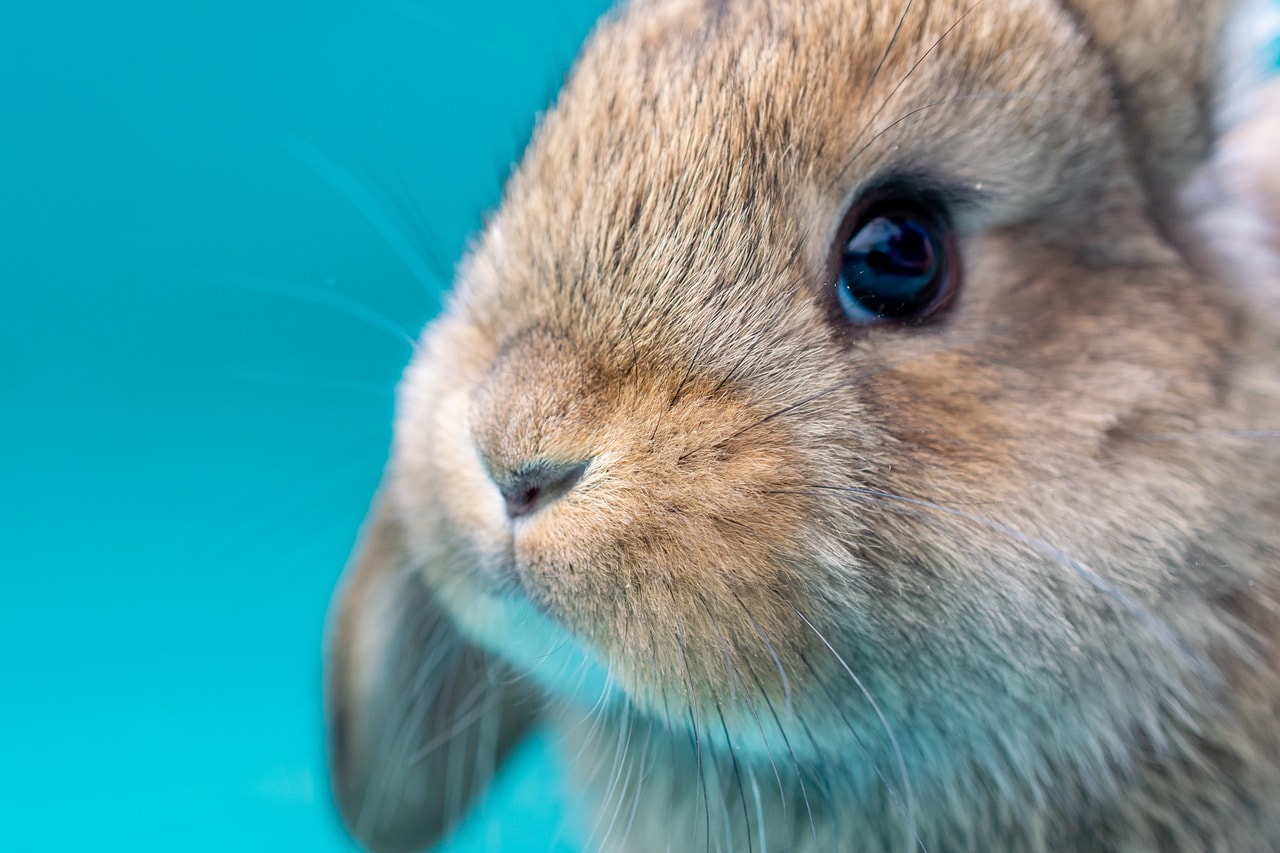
column 890, row 267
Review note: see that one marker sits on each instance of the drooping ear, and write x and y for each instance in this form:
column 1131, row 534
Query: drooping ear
column 419, row 719
column 1165, row 59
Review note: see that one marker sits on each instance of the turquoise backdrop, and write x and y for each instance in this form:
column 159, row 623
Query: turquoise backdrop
column 219, row 223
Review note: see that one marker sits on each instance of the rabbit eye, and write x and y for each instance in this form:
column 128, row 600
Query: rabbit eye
column 894, row 265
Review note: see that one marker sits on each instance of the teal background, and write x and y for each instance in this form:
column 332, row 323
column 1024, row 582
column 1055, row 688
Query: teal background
column 219, row 223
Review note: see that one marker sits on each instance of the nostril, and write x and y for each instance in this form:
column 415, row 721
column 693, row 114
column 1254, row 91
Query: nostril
column 521, row 502
column 533, row 485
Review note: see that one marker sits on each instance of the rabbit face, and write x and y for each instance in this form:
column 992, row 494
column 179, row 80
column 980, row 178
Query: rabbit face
column 770, row 491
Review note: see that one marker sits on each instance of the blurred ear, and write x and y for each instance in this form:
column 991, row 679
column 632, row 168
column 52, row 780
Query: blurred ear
column 1165, row 58
column 419, row 719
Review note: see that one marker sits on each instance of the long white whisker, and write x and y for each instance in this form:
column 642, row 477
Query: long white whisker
column 795, row 763
column 642, row 774
column 352, row 190
column 594, row 713
column 306, row 293
column 908, row 793
column 755, row 789
column 616, row 775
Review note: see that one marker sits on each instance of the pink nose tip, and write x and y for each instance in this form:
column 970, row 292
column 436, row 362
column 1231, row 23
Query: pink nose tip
column 533, row 485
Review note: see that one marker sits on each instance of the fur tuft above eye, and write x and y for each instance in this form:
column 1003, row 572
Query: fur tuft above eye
column 894, row 263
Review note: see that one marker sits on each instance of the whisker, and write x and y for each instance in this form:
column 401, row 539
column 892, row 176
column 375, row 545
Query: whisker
column 616, row 775
column 795, row 763
column 621, row 311
column 894, row 91
column 670, row 723
column 780, row 310
column 642, row 774
column 460, row 724
column 351, row 189
column 1149, row 620
column 907, row 792
column 698, row 350
column 955, row 100
column 736, row 677
column 309, row 294
column 847, row 382
column 737, row 774
column 888, row 49
column 857, row 736
column 486, row 760
column 458, row 759
column 693, row 721
column 595, row 713
column 824, row 775
column 724, row 647
column 434, row 254
column 413, row 712
column 755, row 789
column 592, row 742
column 777, row 662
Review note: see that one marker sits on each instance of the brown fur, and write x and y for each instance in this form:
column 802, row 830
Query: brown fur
column 1005, row 581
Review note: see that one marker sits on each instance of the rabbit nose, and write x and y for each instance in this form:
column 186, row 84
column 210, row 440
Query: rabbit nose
column 533, row 485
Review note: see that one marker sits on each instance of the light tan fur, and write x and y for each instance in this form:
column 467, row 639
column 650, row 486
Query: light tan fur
column 1004, row 581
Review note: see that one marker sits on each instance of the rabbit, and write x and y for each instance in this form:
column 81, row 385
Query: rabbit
column 856, row 429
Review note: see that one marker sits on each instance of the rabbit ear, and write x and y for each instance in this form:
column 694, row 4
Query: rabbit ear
column 1165, row 58
column 418, row 717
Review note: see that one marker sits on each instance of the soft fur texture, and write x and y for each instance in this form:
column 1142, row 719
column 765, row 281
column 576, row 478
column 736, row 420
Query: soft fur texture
column 1007, row 580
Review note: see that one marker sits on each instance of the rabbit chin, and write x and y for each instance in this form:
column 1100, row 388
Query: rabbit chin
column 577, row 682
column 512, row 628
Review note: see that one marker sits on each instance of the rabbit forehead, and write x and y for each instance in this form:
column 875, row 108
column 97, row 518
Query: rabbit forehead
column 695, row 149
